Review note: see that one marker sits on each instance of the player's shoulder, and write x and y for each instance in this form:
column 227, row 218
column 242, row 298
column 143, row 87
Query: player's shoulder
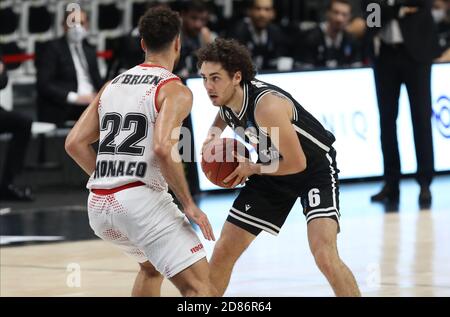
column 175, row 85
column 271, row 99
column 175, row 90
column 271, row 104
column 268, row 104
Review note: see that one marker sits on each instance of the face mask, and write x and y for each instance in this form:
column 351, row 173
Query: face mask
column 438, row 15
column 76, row 34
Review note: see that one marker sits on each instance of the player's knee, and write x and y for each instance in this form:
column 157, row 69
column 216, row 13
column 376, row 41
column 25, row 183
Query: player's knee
column 210, row 290
column 197, row 288
column 150, row 271
column 224, row 252
column 326, row 258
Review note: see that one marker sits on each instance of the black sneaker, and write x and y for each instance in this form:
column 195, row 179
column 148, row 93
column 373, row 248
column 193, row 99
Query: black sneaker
column 13, row 193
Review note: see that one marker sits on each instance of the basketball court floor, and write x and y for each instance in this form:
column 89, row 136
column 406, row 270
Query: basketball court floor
column 48, row 249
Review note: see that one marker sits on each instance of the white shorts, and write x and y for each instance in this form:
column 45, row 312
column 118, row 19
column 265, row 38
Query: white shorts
column 147, row 226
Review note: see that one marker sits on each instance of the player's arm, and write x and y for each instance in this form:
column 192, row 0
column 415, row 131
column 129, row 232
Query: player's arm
column 273, row 114
column 175, row 102
column 215, row 130
column 85, row 132
column 218, row 126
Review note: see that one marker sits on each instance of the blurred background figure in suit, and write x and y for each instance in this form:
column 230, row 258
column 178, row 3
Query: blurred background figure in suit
column 330, row 44
column 194, row 34
column 264, row 39
column 67, row 73
column 405, row 47
column 441, row 16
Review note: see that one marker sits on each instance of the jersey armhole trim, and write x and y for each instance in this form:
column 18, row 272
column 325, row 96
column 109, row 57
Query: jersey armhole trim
column 257, row 99
column 155, row 102
column 99, row 104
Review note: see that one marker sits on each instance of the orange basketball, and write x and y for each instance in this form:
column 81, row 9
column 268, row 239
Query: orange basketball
column 218, row 161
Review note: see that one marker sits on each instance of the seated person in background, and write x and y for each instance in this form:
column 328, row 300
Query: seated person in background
column 67, row 73
column 128, row 52
column 329, row 44
column 441, row 16
column 194, row 34
column 357, row 28
column 357, row 25
column 264, row 39
column 20, row 128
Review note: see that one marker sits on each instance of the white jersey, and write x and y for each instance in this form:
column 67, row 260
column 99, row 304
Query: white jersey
column 127, row 115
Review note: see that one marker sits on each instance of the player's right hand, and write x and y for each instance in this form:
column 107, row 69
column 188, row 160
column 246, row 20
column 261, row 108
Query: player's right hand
column 210, row 138
column 199, row 217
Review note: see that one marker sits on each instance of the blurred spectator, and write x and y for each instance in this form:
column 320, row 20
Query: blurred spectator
column 357, row 28
column 194, row 34
column 264, row 39
column 67, row 73
column 407, row 48
column 330, row 44
column 441, row 16
column 20, row 128
column 128, row 52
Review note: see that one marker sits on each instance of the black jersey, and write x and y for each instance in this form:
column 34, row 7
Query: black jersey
column 316, row 141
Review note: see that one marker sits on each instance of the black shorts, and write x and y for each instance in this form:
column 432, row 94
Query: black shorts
column 265, row 201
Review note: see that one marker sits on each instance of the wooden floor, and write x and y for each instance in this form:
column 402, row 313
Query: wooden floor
column 405, row 253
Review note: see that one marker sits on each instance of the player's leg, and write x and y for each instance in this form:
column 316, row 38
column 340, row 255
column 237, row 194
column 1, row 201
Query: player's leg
column 322, row 236
column 102, row 209
column 321, row 208
column 167, row 241
column 261, row 205
column 195, row 281
column 232, row 243
column 148, row 281
column 179, row 255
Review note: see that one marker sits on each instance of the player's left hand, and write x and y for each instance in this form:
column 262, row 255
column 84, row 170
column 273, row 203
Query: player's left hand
column 199, row 217
column 244, row 170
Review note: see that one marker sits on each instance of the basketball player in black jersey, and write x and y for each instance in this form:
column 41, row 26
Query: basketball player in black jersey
column 295, row 159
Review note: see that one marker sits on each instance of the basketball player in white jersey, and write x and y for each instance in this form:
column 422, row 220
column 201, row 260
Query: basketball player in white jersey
column 133, row 118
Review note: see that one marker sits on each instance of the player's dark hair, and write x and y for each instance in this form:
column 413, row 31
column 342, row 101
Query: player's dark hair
column 158, row 27
column 231, row 55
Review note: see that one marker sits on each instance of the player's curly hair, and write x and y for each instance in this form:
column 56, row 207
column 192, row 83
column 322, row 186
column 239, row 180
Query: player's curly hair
column 231, row 55
column 158, row 27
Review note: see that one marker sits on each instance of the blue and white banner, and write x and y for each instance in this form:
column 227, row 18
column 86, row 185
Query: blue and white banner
column 345, row 102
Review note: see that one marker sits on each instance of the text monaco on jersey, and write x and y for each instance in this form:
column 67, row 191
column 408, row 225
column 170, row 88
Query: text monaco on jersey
column 120, row 168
